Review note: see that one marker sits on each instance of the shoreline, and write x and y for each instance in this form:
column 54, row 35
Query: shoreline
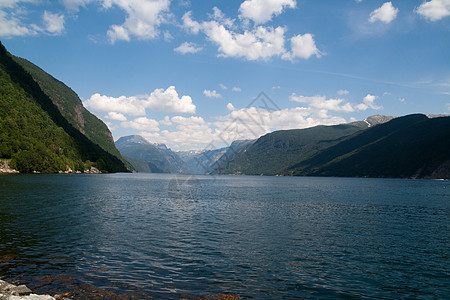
column 10, row 291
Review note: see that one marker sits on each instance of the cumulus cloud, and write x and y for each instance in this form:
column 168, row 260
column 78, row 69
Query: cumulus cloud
column 322, row 103
column 189, row 24
column 386, row 13
column 230, row 106
column 369, row 102
column 142, row 21
column 262, row 11
column 142, row 123
column 159, row 100
column 54, row 23
column 187, row 47
column 125, row 105
column 302, row 46
column 343, row 92
column 257, row 43
column 236, row 89
column 115, row 116
column 169, row 101
column 434, row 10
column 261, row 43
column 223, row 86
column 211, row 94
column 189, row 133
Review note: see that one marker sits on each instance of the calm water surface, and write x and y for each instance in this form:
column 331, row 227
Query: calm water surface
column 166, row 236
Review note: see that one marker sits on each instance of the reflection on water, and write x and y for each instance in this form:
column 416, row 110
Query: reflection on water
column 163, row 236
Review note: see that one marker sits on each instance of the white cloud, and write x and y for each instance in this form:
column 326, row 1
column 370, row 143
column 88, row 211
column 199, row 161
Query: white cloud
column 159, row 100
column 74, row 5
column 189, row 24
column 223, row 86
column 169, row 101
column 321, row 103
column 211, row 94
column 262, row 11
column 368, row 102
column 12, row 3
column 187, row 47
column 257, row 43
column 342, row 92
column 302, row 46
column 125, row 105
column 386, row 13
column 434, row 10
column 167, row 36
column 230, row 106
column 189, row 133
column 261, row 43
column 115, row 116
column 402, row 100
column 142, row 123
column 11, row 26
column 236, row 89
column 54, row 23
column 142, row 21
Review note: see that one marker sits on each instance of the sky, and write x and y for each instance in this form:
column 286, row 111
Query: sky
column 199, row 74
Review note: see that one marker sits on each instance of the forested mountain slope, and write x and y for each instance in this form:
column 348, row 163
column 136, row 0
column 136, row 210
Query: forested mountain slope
column 35, row 135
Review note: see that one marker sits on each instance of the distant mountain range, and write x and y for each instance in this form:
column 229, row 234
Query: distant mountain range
column 146, row 157
column 44, row 126
column 414, row 146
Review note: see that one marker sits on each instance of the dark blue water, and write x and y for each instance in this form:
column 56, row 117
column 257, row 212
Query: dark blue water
column 165, row 236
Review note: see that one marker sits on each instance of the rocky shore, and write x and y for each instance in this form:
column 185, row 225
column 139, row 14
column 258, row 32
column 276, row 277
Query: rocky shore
column 18, row 292
column 5, row 168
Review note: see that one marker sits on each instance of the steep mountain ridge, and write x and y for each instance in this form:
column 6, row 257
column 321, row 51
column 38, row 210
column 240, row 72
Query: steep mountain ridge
column 35, row 135
column 71, row 107
column 412, row 146
column 276, row 151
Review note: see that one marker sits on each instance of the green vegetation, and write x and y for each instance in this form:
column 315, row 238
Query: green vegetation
column 411, row 146
column 33, row 132
column 276, row 151
column 71, row 107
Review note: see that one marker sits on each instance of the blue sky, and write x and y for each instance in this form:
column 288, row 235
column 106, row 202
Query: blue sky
column 199, row 74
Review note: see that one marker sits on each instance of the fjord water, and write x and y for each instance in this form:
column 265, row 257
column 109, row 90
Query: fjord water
column 173, row 236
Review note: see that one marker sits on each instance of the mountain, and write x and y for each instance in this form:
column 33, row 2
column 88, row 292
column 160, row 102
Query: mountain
column 71, row 107
column 146, row 157
column 272, row 153
column 201, row 162
column 412, row 146
column 35, row 134
column 131, row 140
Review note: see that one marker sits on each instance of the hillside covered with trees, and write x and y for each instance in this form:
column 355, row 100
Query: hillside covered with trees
column 45, row 128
